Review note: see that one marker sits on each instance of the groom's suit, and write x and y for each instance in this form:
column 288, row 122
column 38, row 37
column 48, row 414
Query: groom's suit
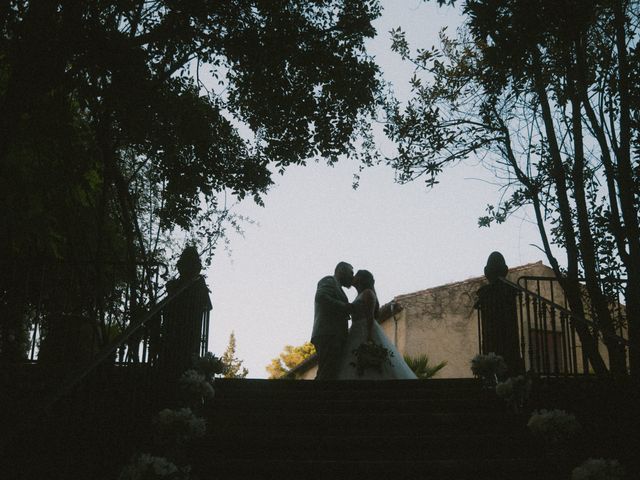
column 330, row 326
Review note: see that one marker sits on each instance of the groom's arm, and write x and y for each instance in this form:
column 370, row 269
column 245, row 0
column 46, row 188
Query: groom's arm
column 326, row 294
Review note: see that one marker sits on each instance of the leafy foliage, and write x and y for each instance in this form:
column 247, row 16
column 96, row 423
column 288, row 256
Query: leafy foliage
column 126, row 126
column 544, row 95
column 160, row 87
column 290, row 358
column 421, row 367
column 209, row 365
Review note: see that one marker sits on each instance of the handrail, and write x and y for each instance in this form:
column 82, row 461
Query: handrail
column 610, row 336
column 76, row 377
column 103, row 354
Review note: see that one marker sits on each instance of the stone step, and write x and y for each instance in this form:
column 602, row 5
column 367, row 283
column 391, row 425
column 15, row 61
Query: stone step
column 297, row 423
column 348, row 394
column 347, row 390
column 451, row 430
column 358, row 404
column 262, row 385
column 473, row 469
column 472, row 391
column 421, row 446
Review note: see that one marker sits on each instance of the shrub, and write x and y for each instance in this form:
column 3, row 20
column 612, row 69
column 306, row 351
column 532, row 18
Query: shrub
column 420, row 366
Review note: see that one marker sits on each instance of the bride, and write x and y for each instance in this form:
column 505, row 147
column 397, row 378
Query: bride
column 366, row 331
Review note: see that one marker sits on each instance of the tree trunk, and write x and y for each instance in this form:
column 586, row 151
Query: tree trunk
column 626, row 186
column 599, row 304
column 570, row 283
column 113, row 172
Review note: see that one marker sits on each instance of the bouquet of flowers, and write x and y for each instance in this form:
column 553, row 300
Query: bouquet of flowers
column 371, row 355
column 598, row 469
column 553, row 426
column 489, row 366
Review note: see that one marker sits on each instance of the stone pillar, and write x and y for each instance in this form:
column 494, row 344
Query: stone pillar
column 183, row 320
column 499, row 315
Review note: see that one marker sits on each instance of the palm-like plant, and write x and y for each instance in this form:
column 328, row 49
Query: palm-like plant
column 420, row 366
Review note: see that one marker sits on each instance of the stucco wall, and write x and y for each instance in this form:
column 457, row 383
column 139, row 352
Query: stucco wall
column 441, row 323
column 308, row 374
column 395, row 328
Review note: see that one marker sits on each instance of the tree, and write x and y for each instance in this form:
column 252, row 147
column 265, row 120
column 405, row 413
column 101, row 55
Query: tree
column 545, row 94
column 125, row 125
column 233, row 366
column 290, row 358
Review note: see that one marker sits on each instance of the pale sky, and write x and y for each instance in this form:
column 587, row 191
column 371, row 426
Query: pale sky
column 409, row 237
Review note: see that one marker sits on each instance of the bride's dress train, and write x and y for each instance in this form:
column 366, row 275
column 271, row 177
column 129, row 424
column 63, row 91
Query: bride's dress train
column 397, row 370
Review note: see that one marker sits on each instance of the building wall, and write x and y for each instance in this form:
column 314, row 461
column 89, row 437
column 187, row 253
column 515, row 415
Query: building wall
column 441, row 323
column 395, row 328
column 308, row 374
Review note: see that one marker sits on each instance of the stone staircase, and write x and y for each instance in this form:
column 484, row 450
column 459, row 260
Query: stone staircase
column 433, row 429
column 286, row 429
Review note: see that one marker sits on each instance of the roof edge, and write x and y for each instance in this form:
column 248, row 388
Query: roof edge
column 461, row 282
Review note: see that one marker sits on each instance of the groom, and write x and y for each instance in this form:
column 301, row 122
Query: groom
column 330, row 323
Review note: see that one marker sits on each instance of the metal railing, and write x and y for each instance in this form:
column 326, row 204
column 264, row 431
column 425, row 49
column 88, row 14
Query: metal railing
column 150, row 320
column 55, row 410
column 81, row 302
column 548, row 342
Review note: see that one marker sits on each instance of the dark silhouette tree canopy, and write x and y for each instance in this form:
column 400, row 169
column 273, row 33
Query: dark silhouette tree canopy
column 124, row 125
column 96, row 92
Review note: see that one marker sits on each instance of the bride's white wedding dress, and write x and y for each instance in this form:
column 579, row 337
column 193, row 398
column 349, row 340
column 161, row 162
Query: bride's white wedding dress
column 398, row 369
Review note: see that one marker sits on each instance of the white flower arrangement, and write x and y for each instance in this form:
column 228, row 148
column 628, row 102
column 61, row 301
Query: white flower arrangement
column 488, row 366
column 209, row 365
column 505, row 389
column 515, row 391
column 554, row 426
column 148, row 467
column 179, row 425
column 196, row 384
column 598, row 469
